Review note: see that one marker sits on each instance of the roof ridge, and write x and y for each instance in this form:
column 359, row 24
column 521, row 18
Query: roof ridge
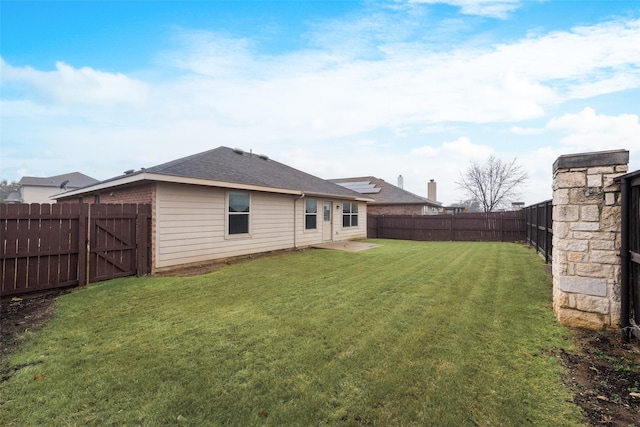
column 182, row 160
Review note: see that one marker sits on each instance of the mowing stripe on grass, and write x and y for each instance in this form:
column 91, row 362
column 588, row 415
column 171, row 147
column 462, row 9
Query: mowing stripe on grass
column 410, row 333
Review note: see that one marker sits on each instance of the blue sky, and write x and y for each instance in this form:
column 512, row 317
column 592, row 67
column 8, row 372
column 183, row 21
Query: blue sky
column 335, row 88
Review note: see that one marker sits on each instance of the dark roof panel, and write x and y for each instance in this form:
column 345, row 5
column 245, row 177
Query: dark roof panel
column 386, row 193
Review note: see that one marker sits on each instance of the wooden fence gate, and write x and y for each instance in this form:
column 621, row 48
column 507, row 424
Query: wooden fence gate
column 119, row 241
column 48, row 246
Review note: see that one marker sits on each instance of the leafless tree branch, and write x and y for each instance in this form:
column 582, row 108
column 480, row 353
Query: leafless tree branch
column 493, row 184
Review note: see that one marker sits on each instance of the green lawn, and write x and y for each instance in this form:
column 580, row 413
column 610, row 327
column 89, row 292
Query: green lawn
column 410, row 333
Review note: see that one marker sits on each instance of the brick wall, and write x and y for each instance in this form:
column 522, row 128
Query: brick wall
column 394, row 210
column 586, row 238
column 144, row 193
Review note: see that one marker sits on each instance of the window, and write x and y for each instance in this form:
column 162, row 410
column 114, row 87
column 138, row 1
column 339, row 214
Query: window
column 310, row 214
column 350, row 214
column 327, row 211
column 238, row 213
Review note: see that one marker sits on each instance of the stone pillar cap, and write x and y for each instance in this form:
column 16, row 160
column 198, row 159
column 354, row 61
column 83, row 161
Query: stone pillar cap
column 595, row 158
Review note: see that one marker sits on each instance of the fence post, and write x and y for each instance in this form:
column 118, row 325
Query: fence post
column 142, row 238
column 586, row 238
column 537, row 215
column 413, row 227
column 548, row 244
column 83, row 232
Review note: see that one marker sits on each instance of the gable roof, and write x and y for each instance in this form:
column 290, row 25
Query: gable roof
column 70, row 180
column 384, row 193
column 231, row 168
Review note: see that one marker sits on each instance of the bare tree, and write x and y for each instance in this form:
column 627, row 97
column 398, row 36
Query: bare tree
column 493, row 184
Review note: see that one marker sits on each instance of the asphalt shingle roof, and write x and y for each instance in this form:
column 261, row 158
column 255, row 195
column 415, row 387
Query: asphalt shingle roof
column 236, row 166
column 74, row 180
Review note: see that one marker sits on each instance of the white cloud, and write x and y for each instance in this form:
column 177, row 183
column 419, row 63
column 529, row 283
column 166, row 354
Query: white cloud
column 490, row 8
column 588, row 131
column 333, row 110
column 526, row 131
column 459, row 148
column 365, row 142
column 586, row 61
column 83, row 86
column 464, row 148
column 413, row 85
column 323, row 93
column 425, row 151
column 211, row 54
column 585, row 131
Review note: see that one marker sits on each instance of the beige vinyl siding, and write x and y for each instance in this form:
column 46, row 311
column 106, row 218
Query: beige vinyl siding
column 35, row 194
column 314, row 237
column 307, row 237
column 191, row 225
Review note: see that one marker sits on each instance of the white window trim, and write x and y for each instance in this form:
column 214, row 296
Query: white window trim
column 304, row 219
column 350, row 226
column 228, row 236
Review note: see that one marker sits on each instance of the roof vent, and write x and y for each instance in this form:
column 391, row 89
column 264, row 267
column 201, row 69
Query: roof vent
column 263, row 156
column 238, row 150
column 128, row 172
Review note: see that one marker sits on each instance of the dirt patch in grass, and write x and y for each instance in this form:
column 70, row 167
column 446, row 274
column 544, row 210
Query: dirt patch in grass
column 19, row 316
column 603, row 374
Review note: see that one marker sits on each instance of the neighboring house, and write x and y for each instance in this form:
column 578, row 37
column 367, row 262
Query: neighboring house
column 388, row 198
column 39, row 190
column 227, row 202
column 14, row 197
column 455, row 209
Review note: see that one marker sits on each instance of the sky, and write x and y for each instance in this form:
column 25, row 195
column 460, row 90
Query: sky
column 418, row 88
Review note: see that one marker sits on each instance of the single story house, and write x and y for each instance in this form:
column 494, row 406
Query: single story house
column 40, row 189
column 389, row 199
column 227, row 202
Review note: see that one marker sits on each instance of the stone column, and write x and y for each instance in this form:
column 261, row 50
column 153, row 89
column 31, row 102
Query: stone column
column 586, row 238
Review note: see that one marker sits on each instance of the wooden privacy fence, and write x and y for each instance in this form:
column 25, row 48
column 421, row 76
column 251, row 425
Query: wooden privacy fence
column 488, row 227
column 48, row 246
column 539, row 228
column 630, row 256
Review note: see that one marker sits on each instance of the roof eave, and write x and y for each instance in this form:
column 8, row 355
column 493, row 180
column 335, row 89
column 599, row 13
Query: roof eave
column 156, row 177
